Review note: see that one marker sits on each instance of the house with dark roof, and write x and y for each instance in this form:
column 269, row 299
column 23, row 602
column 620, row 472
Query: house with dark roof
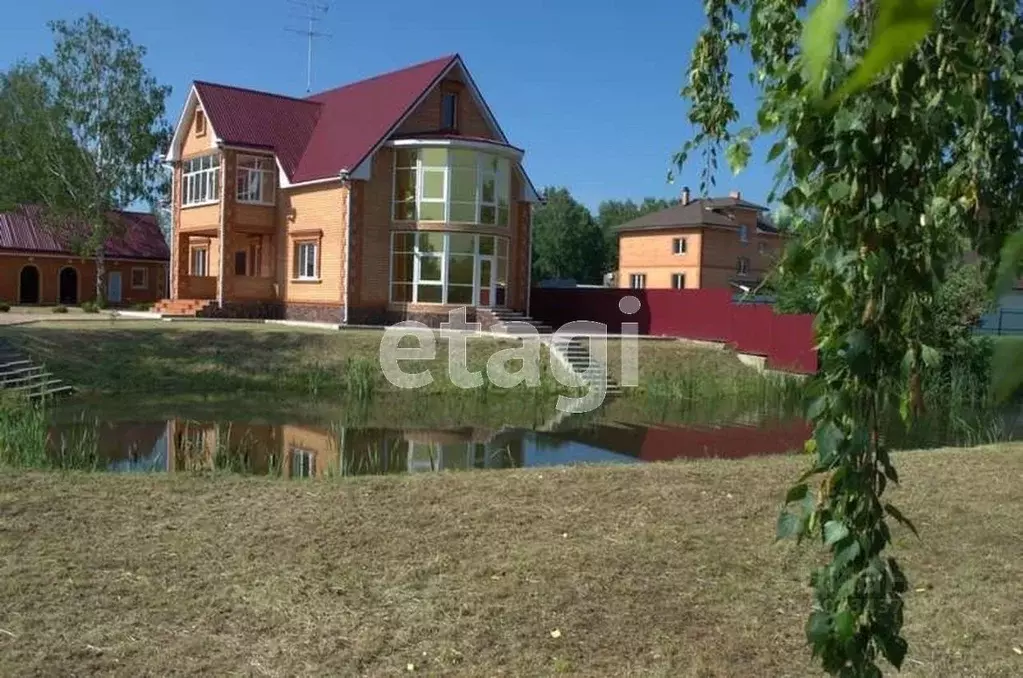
column 698, row 244
column 389, row 198
column 39, row 266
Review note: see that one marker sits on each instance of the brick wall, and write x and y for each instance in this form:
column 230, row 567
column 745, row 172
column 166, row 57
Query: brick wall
column 312, row 213
column 427, row 116
column 652, row 254
column 49, row 268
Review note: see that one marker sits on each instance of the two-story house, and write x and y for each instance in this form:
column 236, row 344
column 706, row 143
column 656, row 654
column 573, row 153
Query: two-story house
column 698, row 244
column 390, row 198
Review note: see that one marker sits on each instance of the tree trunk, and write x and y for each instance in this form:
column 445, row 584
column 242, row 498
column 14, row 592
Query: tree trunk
column 101, row 274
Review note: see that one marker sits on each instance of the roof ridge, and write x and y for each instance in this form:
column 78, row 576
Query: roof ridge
column 448, row 58
column 255, row 91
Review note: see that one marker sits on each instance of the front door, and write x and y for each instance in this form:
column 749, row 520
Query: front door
column 114, row 287
column 485, row 281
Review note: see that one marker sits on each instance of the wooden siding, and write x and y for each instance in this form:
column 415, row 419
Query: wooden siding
column 427, row 116
column 305, row 210
column 652, row 254
column 193, row 144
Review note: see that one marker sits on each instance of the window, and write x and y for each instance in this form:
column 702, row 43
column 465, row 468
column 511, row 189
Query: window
column 743, row 234
column 303, row 463
column 200, row 181
column 200, row 256
column 239, row 262
column 762, row 247
column 139, row 278
column 678, row 245
column 449, row 111
column 429, row 267
column 200, row 123
column 742, row 266
column 678, row 281
column 637, row 281
column 456, row 185
column 255, row 180
column 307, row 265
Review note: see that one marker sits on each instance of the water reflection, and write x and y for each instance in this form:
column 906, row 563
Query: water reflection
column 301, row 450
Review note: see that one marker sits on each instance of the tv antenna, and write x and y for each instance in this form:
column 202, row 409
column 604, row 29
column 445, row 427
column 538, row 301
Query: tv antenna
column 312, row 12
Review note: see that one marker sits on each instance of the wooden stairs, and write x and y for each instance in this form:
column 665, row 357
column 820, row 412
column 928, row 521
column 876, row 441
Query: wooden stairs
column 181, row 307
column 20, row 375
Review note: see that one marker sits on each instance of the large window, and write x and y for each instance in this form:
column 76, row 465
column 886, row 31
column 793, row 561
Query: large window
column 451, row 185
column 637, row 281
column 200, row 181
column 448, row 268
column 255, row 180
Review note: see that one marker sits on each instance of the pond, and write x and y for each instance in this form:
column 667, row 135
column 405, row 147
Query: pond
column 297, row 442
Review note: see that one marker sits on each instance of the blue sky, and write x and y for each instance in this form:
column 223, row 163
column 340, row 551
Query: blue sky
column 590, row 90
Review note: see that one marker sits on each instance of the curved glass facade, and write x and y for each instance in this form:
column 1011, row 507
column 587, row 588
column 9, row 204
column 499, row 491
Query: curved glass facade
column 451, row 185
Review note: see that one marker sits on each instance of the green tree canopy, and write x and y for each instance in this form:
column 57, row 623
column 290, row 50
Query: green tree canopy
column 567, row 241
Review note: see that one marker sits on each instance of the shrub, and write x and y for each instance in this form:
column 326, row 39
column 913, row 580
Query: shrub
column 60, row 308
column 90, row 307
column 4, row 307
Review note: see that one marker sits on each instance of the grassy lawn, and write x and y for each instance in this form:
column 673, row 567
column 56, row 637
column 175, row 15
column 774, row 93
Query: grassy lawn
column 159, row 358
column 663, row 570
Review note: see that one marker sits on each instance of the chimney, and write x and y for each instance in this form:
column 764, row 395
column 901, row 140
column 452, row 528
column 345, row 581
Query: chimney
column 735, row 194
column 685, row 195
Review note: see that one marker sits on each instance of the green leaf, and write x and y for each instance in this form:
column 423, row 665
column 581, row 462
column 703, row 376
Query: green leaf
column 1010, row 263
column 828, row 437
column 930, row 355
column 838, row 191
column 738, row 155
column 818, row 627
column 899, row 27
column 834, row 532
column 776, row 150
column 894, row 649
column 817, row 407
column 820, row 34
column 796, row 493
column 845, row 624
column 788, row 526
column 846, row 555
column 897, row 515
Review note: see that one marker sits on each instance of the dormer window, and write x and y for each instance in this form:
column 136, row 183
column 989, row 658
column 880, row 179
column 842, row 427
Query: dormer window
column 200, row 123
column 449, row 111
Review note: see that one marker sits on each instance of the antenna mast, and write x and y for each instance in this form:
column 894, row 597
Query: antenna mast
column 312, row 12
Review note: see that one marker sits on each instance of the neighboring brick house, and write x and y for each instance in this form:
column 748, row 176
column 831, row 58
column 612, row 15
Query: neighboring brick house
column 390, row 198
column 38, row 267
column 698, row 244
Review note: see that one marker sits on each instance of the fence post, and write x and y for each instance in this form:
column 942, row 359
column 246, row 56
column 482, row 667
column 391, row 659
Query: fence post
column 1000, row 312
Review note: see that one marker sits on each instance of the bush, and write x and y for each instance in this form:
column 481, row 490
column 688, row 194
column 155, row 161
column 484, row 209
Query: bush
column 90, row 307
column 60, row 308
column 4, row 307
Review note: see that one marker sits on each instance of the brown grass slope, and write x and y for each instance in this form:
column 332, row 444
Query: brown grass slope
column 665, row 570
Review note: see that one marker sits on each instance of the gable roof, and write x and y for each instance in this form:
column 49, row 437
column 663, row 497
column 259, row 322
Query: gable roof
column 317, row 137
column 23, row 230
column 699, row 212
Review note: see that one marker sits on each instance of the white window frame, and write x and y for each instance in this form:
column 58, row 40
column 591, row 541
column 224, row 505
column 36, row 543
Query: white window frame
column 678, row 246
column 496, row 258
column 502, row 188
column 205, row 258
column 303, row 256
column 243, row 191
column 742, row 266
column 743, row 234
column 676, row 279
column 306, row 461
column 637, row 281
column 200, row 180
column 145, row 278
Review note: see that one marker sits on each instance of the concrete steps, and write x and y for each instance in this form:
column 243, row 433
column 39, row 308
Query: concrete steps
column 181, row 307
column 576, row 353
column 20, row 375
column 506, row 321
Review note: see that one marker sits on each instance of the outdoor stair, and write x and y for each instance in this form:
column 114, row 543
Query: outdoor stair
column 506, row 321
column 181, row 307
column 576, row 352
column 19, row 375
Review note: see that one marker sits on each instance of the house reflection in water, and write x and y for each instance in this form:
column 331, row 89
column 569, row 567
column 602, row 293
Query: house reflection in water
column 302, row 451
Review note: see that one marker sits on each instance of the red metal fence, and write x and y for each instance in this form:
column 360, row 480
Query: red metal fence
column 786, row 341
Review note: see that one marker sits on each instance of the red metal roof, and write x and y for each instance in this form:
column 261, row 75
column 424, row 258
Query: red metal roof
column 23, row 230
column 317, row 137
